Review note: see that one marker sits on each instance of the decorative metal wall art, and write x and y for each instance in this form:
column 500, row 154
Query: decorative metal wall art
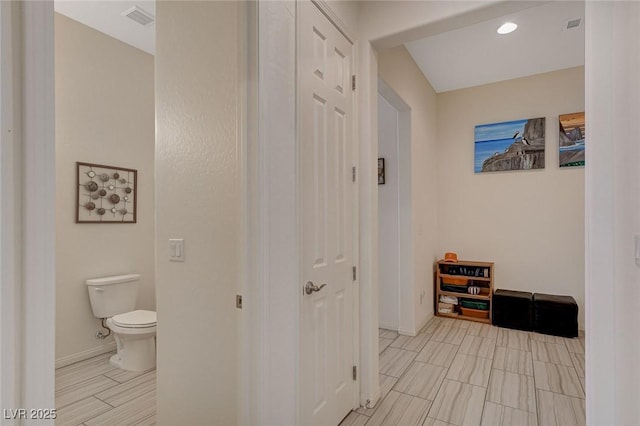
column 106, row 194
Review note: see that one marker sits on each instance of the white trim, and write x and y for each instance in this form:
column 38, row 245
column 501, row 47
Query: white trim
column 367, row 93
column 612, row 212
column 28, row 247
column 10, row 206
column 407, row 332
column 391, row 96
column 272, row 279
column 86, row 354
column 335, row 20
column 38, row 310
column 248, row 319
column 273, row 275
column 599, row 219
column 406, row 267
column 387, row 326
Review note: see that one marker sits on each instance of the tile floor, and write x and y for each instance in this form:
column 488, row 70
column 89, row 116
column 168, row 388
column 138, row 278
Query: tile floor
column 456, row 372
column 92, row 392
column 453, row 372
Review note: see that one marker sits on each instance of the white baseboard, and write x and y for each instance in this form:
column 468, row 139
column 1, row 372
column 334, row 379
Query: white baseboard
column 388, row 326
column 81, row 356
column 415, row 332
column 425, row 321
column 410, row 333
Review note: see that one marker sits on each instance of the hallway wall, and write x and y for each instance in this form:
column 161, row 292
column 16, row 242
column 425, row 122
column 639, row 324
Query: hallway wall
column 198, row 183
column 400, row 72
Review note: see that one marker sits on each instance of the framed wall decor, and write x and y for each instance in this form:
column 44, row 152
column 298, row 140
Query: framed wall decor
column 380, row 171
column 106, row 194
column 571, row 140
column 510, row 145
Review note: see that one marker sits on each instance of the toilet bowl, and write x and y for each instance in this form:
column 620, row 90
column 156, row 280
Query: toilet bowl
column 114, row 299
column 135, row 336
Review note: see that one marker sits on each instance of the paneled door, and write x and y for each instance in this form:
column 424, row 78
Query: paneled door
column 326, row 189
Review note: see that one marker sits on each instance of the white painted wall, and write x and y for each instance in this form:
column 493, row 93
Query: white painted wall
column 530, row 223
column 104, row 115
column 388, row 217
column 400, row 72
column 198, row 199
column 612, row 212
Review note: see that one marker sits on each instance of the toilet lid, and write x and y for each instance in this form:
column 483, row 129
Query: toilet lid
column 135, row 319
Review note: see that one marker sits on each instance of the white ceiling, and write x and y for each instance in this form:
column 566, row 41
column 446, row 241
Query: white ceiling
column 106, row 16
column 477, row 54
column 457, row 59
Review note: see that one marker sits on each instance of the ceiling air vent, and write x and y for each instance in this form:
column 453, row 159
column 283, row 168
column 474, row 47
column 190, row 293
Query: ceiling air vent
column 140, row 16
column 572, row 23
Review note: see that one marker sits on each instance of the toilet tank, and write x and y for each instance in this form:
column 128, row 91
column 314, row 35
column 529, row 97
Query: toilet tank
column 111, row 296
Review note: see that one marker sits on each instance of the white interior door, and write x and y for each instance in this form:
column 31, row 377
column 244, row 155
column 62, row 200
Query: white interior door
column 325, row 108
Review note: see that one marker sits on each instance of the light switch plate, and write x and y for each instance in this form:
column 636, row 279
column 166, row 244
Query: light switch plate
column 176, row 250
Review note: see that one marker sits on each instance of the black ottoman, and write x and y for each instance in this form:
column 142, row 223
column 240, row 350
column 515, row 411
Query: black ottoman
column 512, row 309
column 555, row 315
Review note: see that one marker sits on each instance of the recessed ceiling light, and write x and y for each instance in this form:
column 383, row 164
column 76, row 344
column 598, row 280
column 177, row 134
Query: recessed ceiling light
column 507, row 27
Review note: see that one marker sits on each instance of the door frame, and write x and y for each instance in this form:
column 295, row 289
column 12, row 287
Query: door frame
column 406, row 312
column 325, row 9
column 27, row 166
column 273, row 265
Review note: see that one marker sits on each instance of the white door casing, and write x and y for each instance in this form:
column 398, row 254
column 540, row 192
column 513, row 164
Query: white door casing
column 326, row 145
column 27, row 166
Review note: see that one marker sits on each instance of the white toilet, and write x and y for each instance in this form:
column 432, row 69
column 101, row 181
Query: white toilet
column 114, row 298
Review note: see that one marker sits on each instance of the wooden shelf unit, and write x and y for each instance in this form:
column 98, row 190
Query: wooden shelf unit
column 465, row 269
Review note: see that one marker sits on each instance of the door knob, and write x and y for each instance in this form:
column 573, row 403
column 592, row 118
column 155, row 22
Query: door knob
column 311, row 287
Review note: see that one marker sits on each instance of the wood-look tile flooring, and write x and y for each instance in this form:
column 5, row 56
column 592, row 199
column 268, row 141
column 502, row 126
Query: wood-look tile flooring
column 93, row 392
column 456, row 372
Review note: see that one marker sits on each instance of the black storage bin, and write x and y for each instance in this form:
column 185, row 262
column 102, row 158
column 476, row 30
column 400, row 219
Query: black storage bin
column 513, row 309
column 555, row 315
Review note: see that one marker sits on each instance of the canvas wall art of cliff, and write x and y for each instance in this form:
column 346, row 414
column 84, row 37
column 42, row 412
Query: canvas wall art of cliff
column 571, row 140
column 510, row 145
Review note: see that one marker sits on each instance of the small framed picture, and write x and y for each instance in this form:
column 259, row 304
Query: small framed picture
column 571, row 140
column 380, row 171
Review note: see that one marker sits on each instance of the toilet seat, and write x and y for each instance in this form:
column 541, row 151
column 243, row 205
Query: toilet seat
column 135, row 319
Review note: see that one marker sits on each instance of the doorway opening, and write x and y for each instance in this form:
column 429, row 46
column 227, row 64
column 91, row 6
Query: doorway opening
column 395, row 233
